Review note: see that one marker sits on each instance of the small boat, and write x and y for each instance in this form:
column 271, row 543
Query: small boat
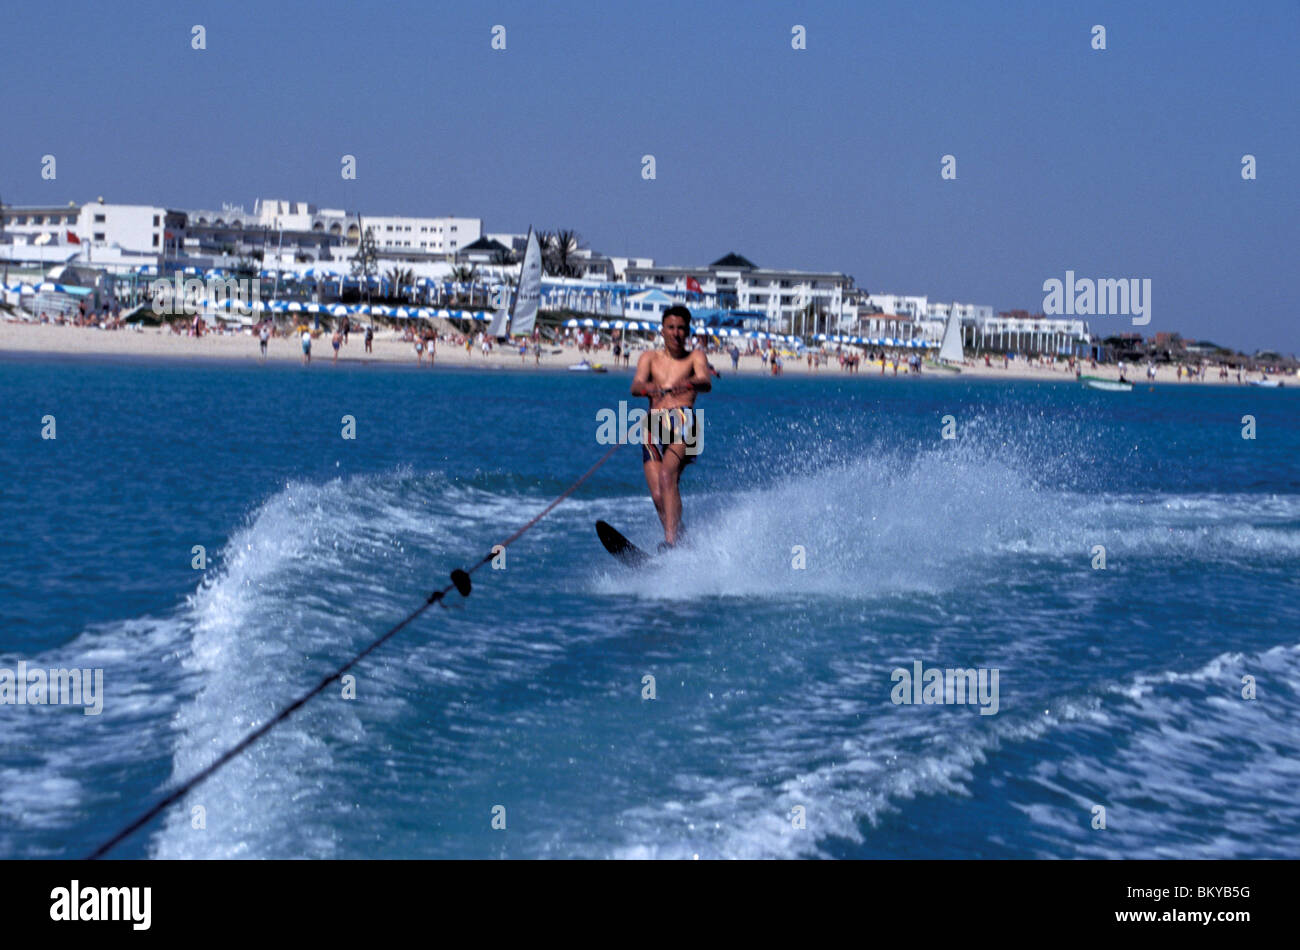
column 1267, row 383
column 944, row 367
column 585, row 367
column 1106, row 385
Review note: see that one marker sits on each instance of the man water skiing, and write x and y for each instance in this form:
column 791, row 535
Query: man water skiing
column 670, row 378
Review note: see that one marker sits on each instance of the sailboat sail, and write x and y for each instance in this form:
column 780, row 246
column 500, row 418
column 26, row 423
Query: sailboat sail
column 528, row 297
column 950, row 349
column 499, row 319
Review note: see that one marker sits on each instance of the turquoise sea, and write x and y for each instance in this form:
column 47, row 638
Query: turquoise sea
column 837, row 537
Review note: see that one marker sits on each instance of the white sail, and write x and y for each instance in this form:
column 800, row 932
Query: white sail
column 528, row 297
column 499, row 319
column 950, row 350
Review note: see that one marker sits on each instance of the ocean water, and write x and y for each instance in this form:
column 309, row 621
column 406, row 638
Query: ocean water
column 773, row 731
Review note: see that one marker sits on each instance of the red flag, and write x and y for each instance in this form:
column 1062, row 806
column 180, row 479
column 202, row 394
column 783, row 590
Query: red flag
column 693, row 286
column 73, row 239
column 168, row 235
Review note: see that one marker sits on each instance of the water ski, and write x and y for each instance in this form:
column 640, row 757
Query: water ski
column 619, row 546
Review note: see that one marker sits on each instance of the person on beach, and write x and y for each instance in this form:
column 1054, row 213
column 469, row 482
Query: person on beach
column 263, row 337
column 431, row 344
column 336, row 341
column 670, row 379
column 306, row 346
column 370, row 337
column 419, row 350
column 347, row 328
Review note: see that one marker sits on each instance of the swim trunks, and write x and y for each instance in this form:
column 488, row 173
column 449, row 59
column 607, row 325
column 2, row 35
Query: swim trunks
column 665, row 427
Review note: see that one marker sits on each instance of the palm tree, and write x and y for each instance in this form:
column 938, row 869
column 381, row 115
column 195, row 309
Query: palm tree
column 545, row 240
column 465, row 274
column 365, row 263
column 566, row 243
column 400, row 278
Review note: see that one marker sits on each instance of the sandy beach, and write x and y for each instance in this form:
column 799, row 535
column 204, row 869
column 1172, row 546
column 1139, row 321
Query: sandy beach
column 389, row 348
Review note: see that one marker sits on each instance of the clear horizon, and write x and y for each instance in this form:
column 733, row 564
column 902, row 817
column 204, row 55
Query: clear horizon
column 1116, row 163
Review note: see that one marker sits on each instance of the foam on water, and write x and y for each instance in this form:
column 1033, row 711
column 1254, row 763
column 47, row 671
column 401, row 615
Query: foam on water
column 894, row 523
column 1223, row 770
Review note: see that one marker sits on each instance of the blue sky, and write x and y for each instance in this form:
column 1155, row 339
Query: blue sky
column 1117, row 163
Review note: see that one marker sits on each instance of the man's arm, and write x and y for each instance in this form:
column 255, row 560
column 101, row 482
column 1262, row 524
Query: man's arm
column 699, row 380
column 641, row 381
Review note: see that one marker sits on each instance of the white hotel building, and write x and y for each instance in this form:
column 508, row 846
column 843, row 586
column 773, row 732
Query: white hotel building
column 423, row 235
column 782, row 295
column 97, row 224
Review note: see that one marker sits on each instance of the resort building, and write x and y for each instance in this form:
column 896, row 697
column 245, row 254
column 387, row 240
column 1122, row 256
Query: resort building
column 806, row 301
column 1018, row 331
column 134, row 228
column 427, row 235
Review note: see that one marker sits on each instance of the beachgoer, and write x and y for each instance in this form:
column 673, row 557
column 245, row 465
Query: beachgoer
column 306, row 346
column 335, row 342
column 263, row 337
column 370, row 336
column 670, row 378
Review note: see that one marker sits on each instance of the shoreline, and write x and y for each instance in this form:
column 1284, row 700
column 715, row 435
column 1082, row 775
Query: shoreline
column 27, row 341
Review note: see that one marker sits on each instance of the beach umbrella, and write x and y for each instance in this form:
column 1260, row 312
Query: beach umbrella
column 425, row 313
column 571, row 323
column 338, row 310
column 313, row 308
column 445, row 314
column 295, row 307
column 589, row 322
column 402, row 313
